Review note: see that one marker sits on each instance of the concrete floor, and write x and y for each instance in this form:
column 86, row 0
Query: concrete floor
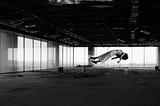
column 80, row 89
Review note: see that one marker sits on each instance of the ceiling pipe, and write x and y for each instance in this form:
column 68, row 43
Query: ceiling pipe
column 133, row 21
column 145, row 32
column 73, row 35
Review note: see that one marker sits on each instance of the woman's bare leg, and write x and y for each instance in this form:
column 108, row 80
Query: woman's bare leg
column 93, row 58
column 95, row 62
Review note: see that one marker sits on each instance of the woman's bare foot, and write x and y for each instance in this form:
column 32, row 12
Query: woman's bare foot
column 95, row 62
column 93, row 58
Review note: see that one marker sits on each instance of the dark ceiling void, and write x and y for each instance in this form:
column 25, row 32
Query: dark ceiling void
column 85, row 23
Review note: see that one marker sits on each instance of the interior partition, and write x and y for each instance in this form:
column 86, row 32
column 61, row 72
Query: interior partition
column 20, row 53
column 8, row 50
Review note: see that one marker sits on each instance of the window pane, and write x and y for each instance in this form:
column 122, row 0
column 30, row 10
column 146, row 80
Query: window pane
column 138, row 56
column 20, row 55
column 54, row 56
column 37, row 54
column 44, row 55
column 28, row 54
column 60, row 55
column 64, row 56
column 71, row 56
column 86, row 56
column 79, row 56
column 100, row 50
column 68, row 57
column 150, row 56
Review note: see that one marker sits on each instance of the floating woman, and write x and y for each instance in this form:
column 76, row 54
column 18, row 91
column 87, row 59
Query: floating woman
column 104, row 57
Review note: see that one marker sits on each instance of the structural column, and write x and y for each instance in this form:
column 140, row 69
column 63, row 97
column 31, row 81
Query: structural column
column 91, row 52
column 158, row 54
column 57, row 55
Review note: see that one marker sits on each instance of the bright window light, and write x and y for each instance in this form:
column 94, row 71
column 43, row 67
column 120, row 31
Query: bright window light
column 138, row 56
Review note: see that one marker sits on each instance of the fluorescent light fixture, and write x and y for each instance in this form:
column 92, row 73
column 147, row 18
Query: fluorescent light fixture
column 145, row 32
column 120, row 40
column 74, row 1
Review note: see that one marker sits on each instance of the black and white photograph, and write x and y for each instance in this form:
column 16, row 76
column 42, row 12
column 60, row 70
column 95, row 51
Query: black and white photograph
column 79, row 53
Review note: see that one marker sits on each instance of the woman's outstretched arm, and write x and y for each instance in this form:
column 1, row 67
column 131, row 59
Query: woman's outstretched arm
column 119, row 60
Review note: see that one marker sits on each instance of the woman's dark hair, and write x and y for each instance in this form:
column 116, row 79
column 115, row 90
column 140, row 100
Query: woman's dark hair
column 125, row 56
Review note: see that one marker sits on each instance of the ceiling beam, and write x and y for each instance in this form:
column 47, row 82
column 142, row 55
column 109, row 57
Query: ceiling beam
column 21, row 11
column 134, row 24
column 73, row 20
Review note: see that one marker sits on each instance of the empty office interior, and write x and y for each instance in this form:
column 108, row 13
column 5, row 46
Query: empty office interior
column 21, row 52
column 60, row 52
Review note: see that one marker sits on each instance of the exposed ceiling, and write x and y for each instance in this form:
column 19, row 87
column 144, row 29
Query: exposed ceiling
column 87, row 23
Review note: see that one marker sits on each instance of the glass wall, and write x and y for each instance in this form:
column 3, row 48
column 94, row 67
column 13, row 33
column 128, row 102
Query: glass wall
column 60, row 55
column 37, row 54
column 28, row 54
column 80, row 56
column 72, row 56
column 66, row 56
column 44, row 55
column 55, row 56
column 24, row 53
column 20, row 54
column 6, row 51
column 150, row 57
column 138, row 56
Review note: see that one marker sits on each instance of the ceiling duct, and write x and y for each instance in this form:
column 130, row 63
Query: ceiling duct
column 30, row 26
column 63, row 2
column 134, row 18
column 145, row 32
